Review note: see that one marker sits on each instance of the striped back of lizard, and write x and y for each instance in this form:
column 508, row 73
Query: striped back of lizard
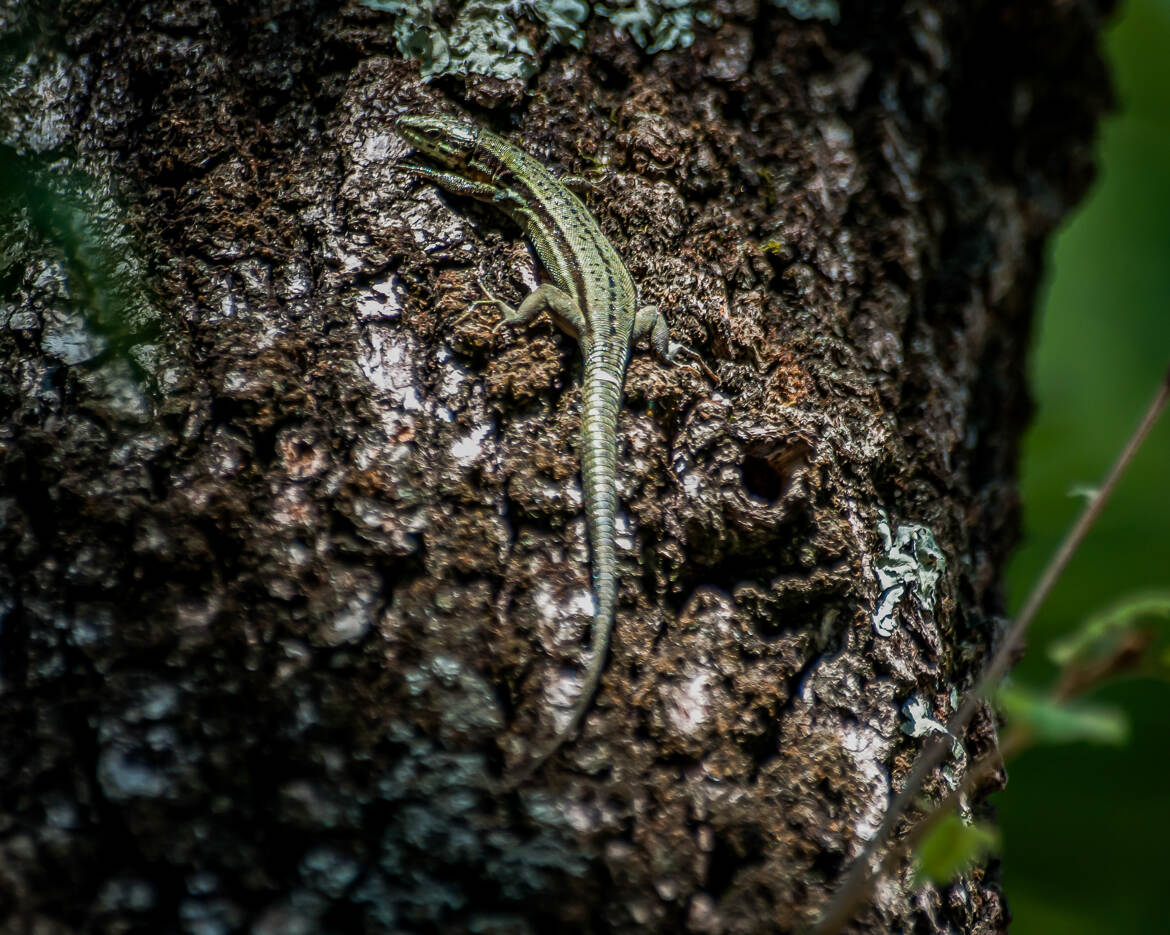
column 586, row 269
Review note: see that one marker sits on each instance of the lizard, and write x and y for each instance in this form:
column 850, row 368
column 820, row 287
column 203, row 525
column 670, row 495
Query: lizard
column 592, row 297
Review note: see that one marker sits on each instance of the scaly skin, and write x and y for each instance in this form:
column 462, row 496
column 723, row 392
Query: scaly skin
column 592, row 297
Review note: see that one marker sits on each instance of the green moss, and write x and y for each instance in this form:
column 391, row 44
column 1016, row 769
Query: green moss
column 76, row 224
column 657, row 27
column 827, row 10
column 490, row 37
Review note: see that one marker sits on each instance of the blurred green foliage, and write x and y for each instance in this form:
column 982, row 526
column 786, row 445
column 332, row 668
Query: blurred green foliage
column 1084, row 827
column 951, row 846
column 1048, row 720
column 67, row 222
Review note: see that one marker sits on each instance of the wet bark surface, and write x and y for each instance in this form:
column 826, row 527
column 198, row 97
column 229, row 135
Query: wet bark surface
column 294, row 558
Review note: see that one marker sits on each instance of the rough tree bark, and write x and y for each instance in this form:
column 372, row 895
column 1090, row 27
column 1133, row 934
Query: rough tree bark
column 294, row 565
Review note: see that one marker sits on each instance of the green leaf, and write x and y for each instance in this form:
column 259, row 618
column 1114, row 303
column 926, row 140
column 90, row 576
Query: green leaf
column 951, row 847
column 1100, row 633
column 1062, row 722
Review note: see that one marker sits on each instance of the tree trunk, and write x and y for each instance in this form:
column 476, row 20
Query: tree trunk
column 295, row 566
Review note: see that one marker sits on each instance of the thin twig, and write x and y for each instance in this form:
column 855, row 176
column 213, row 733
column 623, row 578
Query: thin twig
column 978, row 772
column 859, row 882
column 1018, row 739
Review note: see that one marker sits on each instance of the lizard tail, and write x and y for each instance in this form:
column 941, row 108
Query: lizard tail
column 602, row 399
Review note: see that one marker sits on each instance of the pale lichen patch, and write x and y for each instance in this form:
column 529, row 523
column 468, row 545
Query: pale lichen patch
column 293, row 507
column 561, row 691
column 66, row 336
column 383, row 302
column 919, row 723
column 452, row 376
column 869, row 750
column 555, row 606
column 387, row 361
column 351, row 623
column 470, row 447
column 911, row 562
column 686, row 705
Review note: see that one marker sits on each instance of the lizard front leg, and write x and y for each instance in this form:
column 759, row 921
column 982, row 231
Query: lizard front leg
column 456, row 184
column 649, row 322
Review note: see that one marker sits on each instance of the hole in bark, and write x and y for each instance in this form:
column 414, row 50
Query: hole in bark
column 776, row 283
column 343, row 917
column 734, row 850
column 14, row 654
column 765, row 746
column 828, row 864
column 768, row 471
column 10, row 279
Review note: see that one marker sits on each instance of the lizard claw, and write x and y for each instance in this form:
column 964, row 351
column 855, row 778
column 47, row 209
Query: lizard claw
column 696, row 362
column 703, row 370
column 462, row 318
column 489, row 299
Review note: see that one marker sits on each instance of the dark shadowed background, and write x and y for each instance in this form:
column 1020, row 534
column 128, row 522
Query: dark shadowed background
column 1085, row 828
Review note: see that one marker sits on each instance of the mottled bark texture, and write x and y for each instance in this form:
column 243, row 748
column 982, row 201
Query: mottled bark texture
column 295, row 565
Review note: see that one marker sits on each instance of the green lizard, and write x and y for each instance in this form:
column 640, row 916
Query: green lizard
column 591, row 296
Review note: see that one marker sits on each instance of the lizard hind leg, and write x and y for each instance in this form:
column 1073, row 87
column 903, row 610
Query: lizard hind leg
column 545, row 298
column 650, row 323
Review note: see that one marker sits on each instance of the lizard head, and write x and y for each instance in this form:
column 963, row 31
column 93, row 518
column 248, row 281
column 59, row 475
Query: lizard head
column 451, row 141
